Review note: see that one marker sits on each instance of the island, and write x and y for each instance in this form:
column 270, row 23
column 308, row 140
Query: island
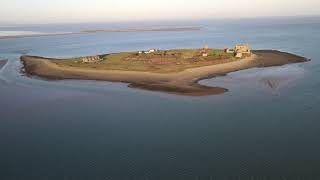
column 176, row 71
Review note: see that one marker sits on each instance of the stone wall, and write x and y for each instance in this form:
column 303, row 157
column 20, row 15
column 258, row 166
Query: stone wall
column 91, row 59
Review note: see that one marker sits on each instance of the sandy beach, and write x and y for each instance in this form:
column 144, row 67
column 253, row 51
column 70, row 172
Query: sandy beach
column 182, row 83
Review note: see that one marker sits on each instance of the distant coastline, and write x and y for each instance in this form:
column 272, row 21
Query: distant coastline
column 163, row 29
column 182, row 83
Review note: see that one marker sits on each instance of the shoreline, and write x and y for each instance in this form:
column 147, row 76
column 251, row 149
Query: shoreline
column 3, row 63
column 181, row 83
column 165, row 29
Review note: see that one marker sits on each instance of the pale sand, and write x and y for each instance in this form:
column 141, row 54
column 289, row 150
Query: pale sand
column 183, row 83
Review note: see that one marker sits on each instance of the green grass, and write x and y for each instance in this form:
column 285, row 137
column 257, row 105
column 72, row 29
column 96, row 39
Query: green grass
column 184, row 59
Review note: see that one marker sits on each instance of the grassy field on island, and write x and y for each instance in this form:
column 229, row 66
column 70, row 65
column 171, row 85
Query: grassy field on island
column 164, row 61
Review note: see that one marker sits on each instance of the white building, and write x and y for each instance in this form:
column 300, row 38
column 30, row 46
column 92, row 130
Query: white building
column 152, row 50
column 148, row 52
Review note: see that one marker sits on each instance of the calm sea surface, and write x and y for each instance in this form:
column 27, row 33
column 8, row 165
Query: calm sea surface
column 268, row 124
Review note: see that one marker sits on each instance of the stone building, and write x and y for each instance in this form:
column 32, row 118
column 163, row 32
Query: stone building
column 240, row 51
column 91, row 59
column 228, row 50
column 205, row 51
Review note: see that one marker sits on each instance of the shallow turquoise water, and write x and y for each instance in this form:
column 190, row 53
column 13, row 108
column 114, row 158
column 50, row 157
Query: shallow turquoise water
column 266, row 125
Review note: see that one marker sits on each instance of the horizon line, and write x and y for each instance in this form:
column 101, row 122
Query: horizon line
column 157, row 20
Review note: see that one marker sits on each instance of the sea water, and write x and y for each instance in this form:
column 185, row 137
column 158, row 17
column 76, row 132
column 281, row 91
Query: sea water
column 267, row 124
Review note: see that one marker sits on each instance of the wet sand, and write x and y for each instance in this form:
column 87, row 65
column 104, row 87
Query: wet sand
column 182, row 83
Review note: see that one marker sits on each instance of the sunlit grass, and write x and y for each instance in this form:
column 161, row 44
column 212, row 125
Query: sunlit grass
column 181, row 60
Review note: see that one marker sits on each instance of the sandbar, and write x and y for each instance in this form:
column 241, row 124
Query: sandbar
column 93, row 31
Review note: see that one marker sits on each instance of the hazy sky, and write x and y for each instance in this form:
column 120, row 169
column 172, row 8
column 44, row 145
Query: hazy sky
column 47, row 11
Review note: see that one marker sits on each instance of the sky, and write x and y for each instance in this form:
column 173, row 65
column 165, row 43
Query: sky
column 61, row 11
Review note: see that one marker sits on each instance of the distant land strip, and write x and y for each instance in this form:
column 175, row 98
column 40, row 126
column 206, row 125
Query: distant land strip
column 164, row 29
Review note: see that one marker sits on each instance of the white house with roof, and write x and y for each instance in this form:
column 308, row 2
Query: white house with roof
column 148, row 52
